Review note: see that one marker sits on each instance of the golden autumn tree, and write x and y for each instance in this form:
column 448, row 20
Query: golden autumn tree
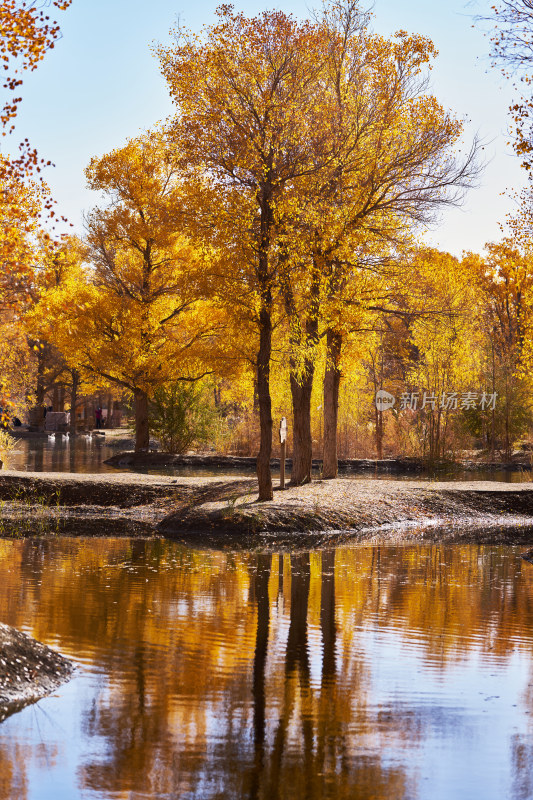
column 132, row 315
column 393, row 166
column 26, row 34
column 25, row 249
column 442, row 370
column 306, row 157
column 503, row 278
column 58, row 267
column 244, row 92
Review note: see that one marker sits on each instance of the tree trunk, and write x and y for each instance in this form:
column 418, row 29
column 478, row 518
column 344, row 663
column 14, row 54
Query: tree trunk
column 301, row 380
column 493, row 415
column 507, row 432
column 264, row 279
column 260, row 658
column 327, row 616
column 297, row 654
column 39, row 392
column 73, row 400
column 142, row 434
column 332, row 380
column 379, row 432
column 264, row 475
column 297, row 664
column 109, row 405
column 302, row 444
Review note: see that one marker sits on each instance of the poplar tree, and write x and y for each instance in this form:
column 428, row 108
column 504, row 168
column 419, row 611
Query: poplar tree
column 249, row 114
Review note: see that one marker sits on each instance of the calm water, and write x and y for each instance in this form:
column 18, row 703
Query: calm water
column 82, row 454
column 79, row 454
column 360, row 672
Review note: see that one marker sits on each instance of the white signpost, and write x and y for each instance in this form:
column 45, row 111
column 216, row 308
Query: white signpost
column 283, row 442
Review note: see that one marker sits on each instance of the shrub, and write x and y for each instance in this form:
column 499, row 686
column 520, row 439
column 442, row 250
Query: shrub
column 183, row 415
column 7, row 444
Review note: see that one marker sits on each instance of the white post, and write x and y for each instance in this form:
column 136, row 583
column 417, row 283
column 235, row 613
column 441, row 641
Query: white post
column 283, row 442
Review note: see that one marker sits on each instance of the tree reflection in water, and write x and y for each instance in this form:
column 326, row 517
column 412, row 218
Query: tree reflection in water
column 312, row 718
column 217, row 674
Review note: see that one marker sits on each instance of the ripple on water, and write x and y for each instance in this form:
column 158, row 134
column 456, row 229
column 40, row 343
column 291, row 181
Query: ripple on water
column 365, row 671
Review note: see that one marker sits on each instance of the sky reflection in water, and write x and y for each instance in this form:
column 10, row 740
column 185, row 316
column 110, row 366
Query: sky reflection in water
column 365, row 671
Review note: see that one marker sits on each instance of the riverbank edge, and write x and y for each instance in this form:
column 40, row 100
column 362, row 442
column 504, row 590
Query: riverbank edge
column 324, row 512
column 29, row 670
column 385, row 466
column 224, row 510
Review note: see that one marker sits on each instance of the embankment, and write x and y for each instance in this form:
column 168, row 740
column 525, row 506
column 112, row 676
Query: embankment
column 224, row 509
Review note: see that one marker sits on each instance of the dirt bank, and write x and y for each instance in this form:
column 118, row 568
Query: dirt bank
column 123, row 490
column 364, row 466
column 224, row 510
column 36, row 503
column 155, row 458
column 362, row 509
column 28, row 670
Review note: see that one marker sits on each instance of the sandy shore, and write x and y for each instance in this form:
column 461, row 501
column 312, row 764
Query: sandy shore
column 224, row 509
column 364, row 509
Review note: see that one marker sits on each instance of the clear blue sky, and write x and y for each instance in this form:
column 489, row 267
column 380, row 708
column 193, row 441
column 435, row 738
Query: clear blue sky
column 102, row 85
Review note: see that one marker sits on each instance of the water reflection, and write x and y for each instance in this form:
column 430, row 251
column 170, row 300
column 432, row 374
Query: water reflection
column 368, row 672
column 62, row 454
column 88, row 454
